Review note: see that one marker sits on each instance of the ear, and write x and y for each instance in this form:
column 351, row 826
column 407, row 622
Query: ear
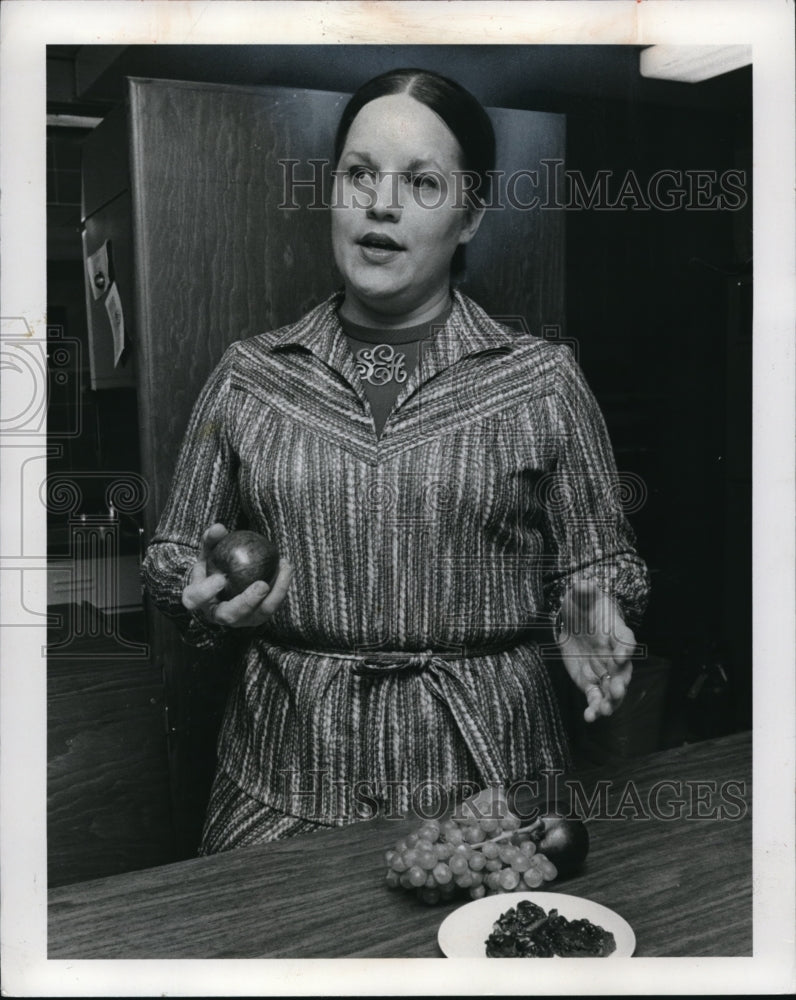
column 473, row 215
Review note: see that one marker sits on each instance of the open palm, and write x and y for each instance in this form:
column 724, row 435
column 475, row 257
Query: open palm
column 596, row 647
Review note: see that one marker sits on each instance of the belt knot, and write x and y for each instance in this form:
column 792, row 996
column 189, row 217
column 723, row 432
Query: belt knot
column 392, row 663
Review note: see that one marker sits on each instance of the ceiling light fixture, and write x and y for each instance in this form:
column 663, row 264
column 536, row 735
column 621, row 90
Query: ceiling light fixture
column 692, row 63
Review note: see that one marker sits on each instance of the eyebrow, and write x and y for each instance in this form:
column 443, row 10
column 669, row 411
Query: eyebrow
column 419, row 163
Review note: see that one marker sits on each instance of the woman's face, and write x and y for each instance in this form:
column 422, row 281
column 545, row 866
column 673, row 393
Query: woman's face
column 398, row 213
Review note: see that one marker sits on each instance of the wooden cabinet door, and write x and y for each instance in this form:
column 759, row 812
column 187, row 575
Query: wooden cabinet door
column 218, row 258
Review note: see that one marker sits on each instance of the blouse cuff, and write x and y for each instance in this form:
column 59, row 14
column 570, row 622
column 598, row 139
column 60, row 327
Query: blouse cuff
column 204, row 634
column 198, row 631
column 627, row 588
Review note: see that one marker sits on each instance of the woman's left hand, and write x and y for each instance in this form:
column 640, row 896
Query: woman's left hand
column 596, row 647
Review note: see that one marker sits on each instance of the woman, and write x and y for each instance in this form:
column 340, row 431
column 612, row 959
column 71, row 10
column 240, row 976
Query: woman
column 439, row 488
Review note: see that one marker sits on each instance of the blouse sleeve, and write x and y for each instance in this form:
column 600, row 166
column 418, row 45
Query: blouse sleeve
column 588, row 537
column 204, row 491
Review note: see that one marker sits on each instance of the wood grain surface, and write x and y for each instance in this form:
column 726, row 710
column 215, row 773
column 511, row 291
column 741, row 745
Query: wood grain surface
column 684, row 884
column 108, row 807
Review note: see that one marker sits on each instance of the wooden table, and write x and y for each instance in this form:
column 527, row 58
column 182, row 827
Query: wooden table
column 684, row 883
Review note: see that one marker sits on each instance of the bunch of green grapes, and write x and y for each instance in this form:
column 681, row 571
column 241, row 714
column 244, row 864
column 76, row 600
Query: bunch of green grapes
column 478, row 854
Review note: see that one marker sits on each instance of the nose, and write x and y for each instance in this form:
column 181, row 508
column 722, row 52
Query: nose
column 384, row 198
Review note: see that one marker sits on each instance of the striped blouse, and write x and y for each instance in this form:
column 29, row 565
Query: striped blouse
column 409, row 657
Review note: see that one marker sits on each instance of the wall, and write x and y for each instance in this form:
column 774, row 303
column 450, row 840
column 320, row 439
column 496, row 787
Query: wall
column 665, row 341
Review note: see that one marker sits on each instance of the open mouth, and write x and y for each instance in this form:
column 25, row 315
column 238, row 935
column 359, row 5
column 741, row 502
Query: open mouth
column 378, row 241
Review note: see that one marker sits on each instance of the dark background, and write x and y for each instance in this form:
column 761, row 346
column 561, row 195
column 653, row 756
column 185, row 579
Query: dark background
column 660, row 306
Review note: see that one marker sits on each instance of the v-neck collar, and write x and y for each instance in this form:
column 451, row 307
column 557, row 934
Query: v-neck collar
column 319, row 335
column 467, row 330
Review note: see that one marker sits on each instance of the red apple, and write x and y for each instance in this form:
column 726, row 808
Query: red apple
column 243, row 557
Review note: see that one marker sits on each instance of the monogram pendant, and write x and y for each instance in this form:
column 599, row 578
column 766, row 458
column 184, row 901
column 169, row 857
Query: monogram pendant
column 380, row 365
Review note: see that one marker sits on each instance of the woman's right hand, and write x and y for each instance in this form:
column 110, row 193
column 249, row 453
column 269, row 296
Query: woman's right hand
column 249, row 609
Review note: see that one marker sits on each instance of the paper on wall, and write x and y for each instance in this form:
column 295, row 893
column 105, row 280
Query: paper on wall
column 98, row 267
column 113, row 307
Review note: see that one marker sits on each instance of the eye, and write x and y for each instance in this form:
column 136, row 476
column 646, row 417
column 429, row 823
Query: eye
column 357, row 172
column 429, row 181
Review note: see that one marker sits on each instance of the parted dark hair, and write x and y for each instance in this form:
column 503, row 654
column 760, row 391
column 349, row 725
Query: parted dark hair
column 461, row 112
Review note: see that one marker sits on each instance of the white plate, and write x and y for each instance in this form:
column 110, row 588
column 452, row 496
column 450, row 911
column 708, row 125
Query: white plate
column 463, row 933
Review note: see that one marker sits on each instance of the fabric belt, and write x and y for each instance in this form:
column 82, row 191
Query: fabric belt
column 440, row 676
